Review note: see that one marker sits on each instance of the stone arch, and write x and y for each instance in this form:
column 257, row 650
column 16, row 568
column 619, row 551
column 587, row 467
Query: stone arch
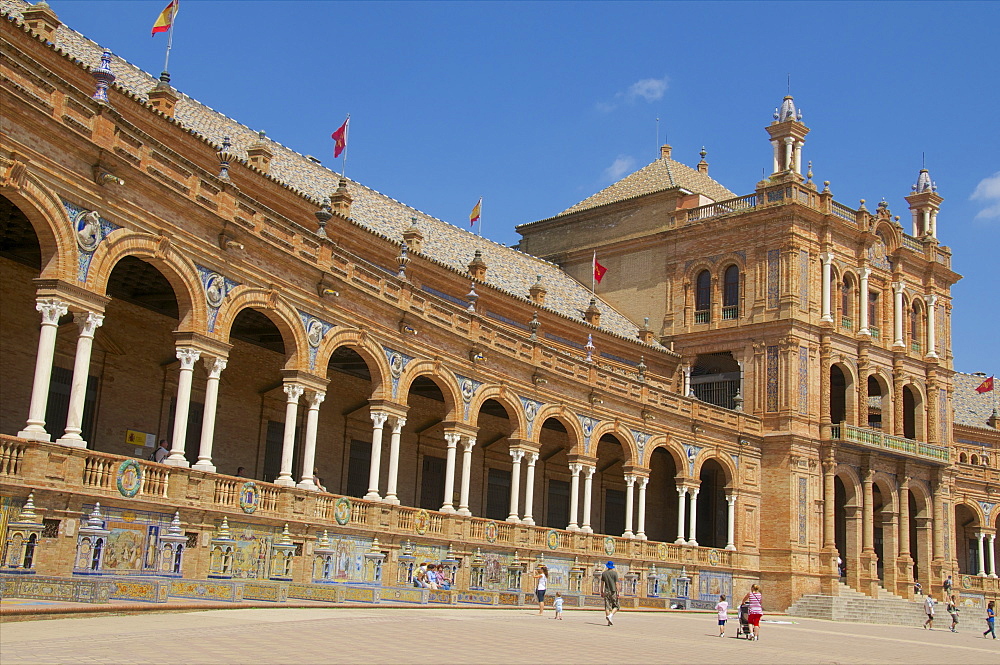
column 843, row 399
column 274, row 307
column 444, row 379
column 574, row 431
column 723, row 461
column 886, row 416
column 887, row 487
column 672, row 448
column 509, row 401
column 176, row 268
column 852, row 483
column 922, row 494
column 892, row 235
column 914, row 414
column 621, row 433
column 364, row 346
column 51, row 223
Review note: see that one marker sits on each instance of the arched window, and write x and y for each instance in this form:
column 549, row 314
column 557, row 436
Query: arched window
column 731, row 292
column 874, row 323
column 915, row 326
column 847, row 304
column 963, row 458
column 703, row 297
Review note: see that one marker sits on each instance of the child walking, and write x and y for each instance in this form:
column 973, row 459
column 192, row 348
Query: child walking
column 991, row 617
column 722, row 607
column 557, row 604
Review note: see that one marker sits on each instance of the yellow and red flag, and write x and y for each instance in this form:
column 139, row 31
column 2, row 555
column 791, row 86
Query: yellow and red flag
column 477, row 210
column 986, row 386
column 166, row 18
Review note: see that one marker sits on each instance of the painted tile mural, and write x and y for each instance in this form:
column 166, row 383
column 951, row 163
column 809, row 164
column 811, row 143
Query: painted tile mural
column 772, row 378
column 804, row 380
column 251, row 554
column 711, row 584
column 349, row 561
column 773, row 277
column 131, row 548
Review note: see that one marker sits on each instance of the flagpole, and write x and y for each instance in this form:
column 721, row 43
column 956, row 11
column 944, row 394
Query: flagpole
column 593, row 274
column 347, row 135
column 170, row 35
column 480, row 220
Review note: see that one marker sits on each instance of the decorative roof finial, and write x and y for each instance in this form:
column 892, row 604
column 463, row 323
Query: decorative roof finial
column 225, row 156
column 323, row 215
column 924, row 183
column 809, row 173
column 472, row 297
column 104, row 77
column 533, row 327
column 590, row 348
column 402, row 260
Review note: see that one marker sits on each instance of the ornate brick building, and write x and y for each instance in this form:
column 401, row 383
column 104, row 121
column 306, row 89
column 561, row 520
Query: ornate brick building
column 348, row 386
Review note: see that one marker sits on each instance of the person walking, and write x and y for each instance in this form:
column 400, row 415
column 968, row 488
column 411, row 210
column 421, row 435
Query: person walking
column 609, row 591
column 541, row 584
column 755, row 601
column 952, row 608
column 929, row 610
column 722, row 607
column 558, row 605
column 991, row 617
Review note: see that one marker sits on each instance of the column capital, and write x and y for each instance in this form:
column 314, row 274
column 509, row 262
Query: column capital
column 731, row 497
column 294, row 392
column 88, row 322
column 931, row 299
column 188, row 357
column 379, row 418
column 531, row 457
column 316, row 398
column 575, row 468
column 468, row 443
column 51, row 309
column 214, row 366
column 898, row 288
column 517, row 455
column 452, row 439
column 630, row 479
column 643, row 481
column 826, row 258
column 398, row 423
column 865, row 272
column 590, row 470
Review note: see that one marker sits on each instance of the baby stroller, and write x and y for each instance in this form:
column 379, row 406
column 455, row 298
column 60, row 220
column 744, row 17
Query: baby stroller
column 745, row 629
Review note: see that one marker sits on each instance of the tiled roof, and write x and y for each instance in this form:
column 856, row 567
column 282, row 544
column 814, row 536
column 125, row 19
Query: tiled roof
column 971, row 408
column 664, row 173
column 508, row 269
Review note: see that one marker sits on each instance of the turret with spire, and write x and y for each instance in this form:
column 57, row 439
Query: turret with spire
column 788, row 135
column 925, row 203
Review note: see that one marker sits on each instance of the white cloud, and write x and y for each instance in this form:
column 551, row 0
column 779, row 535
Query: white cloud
column 988, row 191
column 648, row 90
column 623, row 165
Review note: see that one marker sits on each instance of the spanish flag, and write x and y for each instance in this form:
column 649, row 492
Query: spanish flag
column 986, row 386
column 166, row 18
column 599, row 270
column 476, row 212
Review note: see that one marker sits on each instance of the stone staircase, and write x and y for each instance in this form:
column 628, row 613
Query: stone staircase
column 851, row 605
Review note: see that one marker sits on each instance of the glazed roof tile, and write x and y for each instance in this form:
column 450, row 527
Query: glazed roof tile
column 508, row 270
column 663, row 173
column 969, row 407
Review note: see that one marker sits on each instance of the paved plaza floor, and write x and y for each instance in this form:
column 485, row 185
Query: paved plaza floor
column 375, row 635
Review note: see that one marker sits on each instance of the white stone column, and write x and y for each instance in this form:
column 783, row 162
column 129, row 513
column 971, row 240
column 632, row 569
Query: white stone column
column 214, row 367
column 515, row 486
column 378, row 421
column 863, row 302
column 529, row 489
column 463, row 499
column 588, row 486
column 390, row 490
column 931, row 301
column 933, row 223
column 294, row 392
column 188, row 358
column 681, row 513
column 982, row 554
column 693, row 522
column 897, row 314
column 797, row 160
column 451, row 439
column 574, row 496
column 629, row 504
column 687, row 380
column 774, row 161
column 51, row 310
column 309, row 447
column 789, row 141
column 731, row 522
column 640, row 532
column 992, row 558
column 88, row 323
column 827, row 262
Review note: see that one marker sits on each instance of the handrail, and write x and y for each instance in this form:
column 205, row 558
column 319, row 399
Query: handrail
column 877, row 439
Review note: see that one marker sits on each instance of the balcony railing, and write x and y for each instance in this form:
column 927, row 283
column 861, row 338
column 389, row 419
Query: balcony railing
column 729, row 313
column 875, row 332
column 915, row 346
column 877, row 439
column 847, row 322
column 909, row 242
column 703, row 316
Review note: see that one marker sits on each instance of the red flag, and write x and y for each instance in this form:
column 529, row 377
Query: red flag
column 986, row 386
column 340, row 138
column 166, row 17
column 599, row 270
column 477, row 211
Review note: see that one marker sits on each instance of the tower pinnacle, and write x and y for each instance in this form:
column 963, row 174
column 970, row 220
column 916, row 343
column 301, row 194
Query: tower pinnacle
column 788, row 135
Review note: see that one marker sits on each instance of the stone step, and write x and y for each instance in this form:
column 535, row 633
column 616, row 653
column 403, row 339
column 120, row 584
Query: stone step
column 859, row 608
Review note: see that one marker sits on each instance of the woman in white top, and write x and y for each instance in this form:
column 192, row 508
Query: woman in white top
column 541, row 584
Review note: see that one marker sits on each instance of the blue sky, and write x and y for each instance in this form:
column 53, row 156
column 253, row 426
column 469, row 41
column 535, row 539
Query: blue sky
column 535, row 106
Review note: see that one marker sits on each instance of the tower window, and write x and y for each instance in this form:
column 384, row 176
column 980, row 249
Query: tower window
column 703, row 293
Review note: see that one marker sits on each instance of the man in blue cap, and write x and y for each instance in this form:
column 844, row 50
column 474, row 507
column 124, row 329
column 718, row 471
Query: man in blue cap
column 609, row 590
